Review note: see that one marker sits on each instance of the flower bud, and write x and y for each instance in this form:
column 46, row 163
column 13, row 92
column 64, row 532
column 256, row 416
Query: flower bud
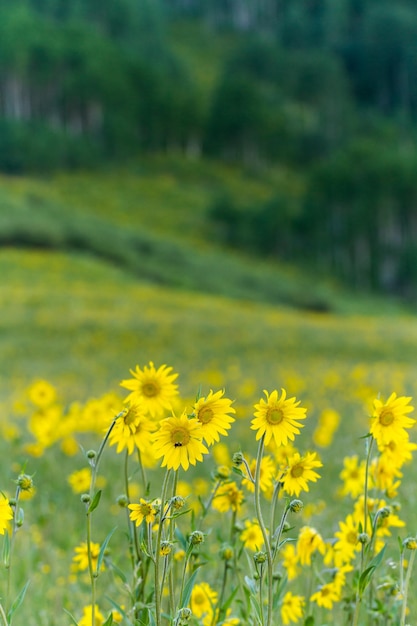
column 222, row 472
column 410, row 543
column 85, row 497
column 296, row 506
column 363, row 538
column 259, row 557
column 183, row 616
column 91, row 454
column 226, row 553
column 237, row 459
column 177, row 502
column 25, row 482
column 196, row 538
column 122, row 501
column 166, row 548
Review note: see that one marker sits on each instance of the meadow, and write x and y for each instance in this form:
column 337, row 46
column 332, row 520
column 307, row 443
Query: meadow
column 73, row 324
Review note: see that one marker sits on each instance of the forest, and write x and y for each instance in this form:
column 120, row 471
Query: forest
column 322, row 93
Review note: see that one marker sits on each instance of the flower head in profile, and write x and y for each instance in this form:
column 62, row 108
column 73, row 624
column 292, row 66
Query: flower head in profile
column 6, row 513
column 228, row 497
column 353, row 476
column 142, row 511
column 290, row 560
column 42, row 394
column 300, row 472
column 80, row 559
column 389, row 419
column 213, row 413
column 87, row 617
column 203, row 599
column 132, row 430
column 278, row 417
column 309, row 541
column 326, row 596
column 266, row 475
column 252, row 536
column 291, row 608
column 347, row 543
column 179, row 442
column 153, row 388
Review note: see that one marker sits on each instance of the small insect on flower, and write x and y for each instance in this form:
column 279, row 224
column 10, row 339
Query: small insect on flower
column 179, row 442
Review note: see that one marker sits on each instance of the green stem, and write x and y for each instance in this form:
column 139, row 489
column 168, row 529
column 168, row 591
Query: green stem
column 158, row 589
column 277, row 535
column 142, row 473
column 264, row 532
column 406, row 587
column 3, row 615
column 226, row 567
column 15, row 525
column 91, row 571
column 368, row 458
column 167, row 558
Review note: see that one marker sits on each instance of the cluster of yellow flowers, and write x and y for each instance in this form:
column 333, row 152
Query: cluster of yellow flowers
column 151, row 424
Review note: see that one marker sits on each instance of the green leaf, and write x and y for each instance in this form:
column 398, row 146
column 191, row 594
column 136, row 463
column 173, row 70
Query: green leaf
column 309, row 621
column 94, row 502
column 17, row 602
column 72, row 618
column 109, row 620
column 188, row 588
column 103, row 549
column 365, row 579
column 118, row 572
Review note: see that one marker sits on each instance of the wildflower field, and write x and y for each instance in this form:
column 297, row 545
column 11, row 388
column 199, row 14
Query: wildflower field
column 176, row 458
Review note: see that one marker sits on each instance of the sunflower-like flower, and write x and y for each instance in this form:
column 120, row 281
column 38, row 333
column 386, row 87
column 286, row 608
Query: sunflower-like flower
column 252, row 536
column 179, row 442
column 203, row 599
column 142, row 511
column 347, row 543
column 291, row 608
column 213, row 414
column 6, row 513
column 353, row 476
column 278, row 417
column 326, row 596
column 153, row 388
column 228, row 497
column 299, row 472
column 389, row 419
column 132, row 430
column 266, row 475
column 80, row 559
column 309, row 541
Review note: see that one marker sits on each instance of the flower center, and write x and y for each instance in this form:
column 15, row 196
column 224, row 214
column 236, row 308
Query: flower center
column 146, row 509
column 150, row 389
column 205, row 415
column 352, row 537
column 275, row 416
column 180, row 437
column 130, row 417
column 386, row 418
column 297, row 471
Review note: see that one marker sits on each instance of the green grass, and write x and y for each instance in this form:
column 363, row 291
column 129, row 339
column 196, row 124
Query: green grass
column 151, row 220
column 81, row 319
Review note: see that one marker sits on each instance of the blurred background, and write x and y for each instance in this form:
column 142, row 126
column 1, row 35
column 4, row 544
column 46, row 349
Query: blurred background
column 258, row 150
column 225, row 186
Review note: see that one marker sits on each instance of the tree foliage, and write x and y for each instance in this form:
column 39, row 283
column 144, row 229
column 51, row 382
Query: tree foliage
column 323, row 89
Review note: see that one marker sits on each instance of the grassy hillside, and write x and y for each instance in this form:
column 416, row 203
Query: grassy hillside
column 82, row 303
column 151, row 220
